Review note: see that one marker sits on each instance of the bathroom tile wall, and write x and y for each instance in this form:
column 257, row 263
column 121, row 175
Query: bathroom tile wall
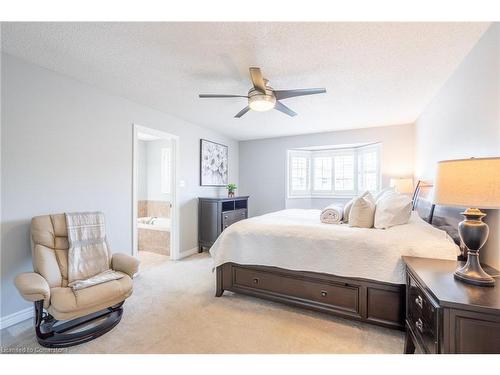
column 147, row 208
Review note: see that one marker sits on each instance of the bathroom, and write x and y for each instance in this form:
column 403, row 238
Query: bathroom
column 154, row 160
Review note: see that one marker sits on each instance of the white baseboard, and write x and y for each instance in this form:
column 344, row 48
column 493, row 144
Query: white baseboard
column 187, row 253
column 14, row 318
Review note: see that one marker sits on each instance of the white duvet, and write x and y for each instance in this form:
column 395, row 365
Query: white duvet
column 297, row 240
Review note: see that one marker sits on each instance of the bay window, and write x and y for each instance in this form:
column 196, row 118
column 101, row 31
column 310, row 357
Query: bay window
column 333, row 172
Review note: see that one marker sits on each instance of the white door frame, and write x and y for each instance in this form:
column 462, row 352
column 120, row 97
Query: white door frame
column 174, row 211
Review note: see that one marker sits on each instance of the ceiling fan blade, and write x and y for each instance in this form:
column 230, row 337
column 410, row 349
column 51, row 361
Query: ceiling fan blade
column 258, row 80
column 283, row 108
column 283, row 94
column 242, row 112
column 221, row 96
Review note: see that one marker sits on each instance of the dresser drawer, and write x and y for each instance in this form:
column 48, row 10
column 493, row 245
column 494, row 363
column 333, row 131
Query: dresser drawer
column 422, row 316
column 425, row 334
column 421, row 305
column 340, row 297
column 231, row 217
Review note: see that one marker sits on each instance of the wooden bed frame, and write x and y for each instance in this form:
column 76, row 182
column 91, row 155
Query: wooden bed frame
column 359, row 299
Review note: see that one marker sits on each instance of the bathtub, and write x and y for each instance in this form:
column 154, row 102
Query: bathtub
column 154, row 223
column 154, row 234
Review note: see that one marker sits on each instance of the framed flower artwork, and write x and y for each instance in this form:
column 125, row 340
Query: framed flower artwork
column 213, row 163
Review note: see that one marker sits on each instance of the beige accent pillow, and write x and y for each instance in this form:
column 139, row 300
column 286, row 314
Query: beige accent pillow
column 369, row 196
column 362, row 212
column 347, row 209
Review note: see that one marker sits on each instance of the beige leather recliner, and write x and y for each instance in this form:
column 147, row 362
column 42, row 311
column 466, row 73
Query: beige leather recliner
column 47, row 288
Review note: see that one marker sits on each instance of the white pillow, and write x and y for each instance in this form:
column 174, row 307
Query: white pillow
column 383, row 192
column 362, row 212
column 392, row 209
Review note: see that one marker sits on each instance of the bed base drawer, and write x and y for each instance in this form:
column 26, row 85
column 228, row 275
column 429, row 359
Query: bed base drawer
column 365, row 300
column 337, row 296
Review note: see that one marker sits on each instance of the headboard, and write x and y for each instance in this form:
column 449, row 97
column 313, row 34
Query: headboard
column 443, row 217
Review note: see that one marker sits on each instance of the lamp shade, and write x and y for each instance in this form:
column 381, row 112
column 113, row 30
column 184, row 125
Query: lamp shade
column 471, row 182
column 402, row 185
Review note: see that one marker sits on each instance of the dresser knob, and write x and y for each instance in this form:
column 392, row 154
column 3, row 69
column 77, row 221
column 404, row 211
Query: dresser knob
column 256, row 280
column 419, row 301
column 225, row 216
column 419, row 325
column 324, row 293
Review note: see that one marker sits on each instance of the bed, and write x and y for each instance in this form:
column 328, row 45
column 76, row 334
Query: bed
column 289, row 256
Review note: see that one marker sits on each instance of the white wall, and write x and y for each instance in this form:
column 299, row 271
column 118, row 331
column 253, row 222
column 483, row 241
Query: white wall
column 263, row 163
column 463, row 121
column 67, row 146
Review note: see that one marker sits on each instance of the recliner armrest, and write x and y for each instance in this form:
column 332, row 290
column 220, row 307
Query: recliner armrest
column 33, row 287
column 125, row 263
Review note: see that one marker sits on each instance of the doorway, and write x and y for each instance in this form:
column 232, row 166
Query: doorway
column 155, row 212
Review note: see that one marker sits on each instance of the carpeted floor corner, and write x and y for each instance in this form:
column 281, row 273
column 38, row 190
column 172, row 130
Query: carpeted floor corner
column 173, row 310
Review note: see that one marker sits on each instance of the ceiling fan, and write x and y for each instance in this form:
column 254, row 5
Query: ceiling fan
column 262, row 97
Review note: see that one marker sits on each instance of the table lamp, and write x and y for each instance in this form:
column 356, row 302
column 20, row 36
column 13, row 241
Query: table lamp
column 471, row 183
column 402, row 185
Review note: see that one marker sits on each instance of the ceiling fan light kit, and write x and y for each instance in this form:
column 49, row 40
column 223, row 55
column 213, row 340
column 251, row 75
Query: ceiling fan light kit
column 261, row 102
column 263, row 97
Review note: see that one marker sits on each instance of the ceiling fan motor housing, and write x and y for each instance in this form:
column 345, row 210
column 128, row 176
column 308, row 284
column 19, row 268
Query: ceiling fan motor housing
column 261, row 102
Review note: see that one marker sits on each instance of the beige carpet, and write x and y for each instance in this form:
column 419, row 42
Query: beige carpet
column 173, row 310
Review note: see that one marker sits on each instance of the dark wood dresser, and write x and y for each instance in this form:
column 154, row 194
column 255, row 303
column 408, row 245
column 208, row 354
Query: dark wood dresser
column 444, row 315
column 216, row 214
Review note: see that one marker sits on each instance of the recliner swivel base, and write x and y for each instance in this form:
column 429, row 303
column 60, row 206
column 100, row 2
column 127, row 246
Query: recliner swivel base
column 51, row 333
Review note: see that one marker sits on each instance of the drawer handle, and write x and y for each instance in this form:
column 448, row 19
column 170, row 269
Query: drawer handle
column 419, row 302
column 419, row 325
column 255, row 280
column 324, row 293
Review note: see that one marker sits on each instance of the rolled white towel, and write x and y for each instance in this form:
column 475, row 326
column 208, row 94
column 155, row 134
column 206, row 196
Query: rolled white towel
column 331, row 214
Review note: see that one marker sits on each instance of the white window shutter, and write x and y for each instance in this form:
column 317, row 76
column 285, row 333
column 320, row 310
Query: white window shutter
column 322, row 173
column 298, row 173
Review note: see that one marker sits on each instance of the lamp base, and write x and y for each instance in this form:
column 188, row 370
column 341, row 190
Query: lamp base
column 473, row 273
column 473, row 233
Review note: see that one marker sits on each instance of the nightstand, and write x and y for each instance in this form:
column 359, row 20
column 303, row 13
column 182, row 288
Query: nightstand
column 446, row 316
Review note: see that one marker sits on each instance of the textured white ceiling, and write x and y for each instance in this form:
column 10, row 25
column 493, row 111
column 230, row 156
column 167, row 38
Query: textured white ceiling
column 375, row 73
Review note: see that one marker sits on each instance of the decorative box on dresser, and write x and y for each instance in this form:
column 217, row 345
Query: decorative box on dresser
column 446, row 316
column 216, row 214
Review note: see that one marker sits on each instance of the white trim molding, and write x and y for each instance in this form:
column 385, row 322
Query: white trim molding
column 187, row 253
column 17, row 317
column 174, row 201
